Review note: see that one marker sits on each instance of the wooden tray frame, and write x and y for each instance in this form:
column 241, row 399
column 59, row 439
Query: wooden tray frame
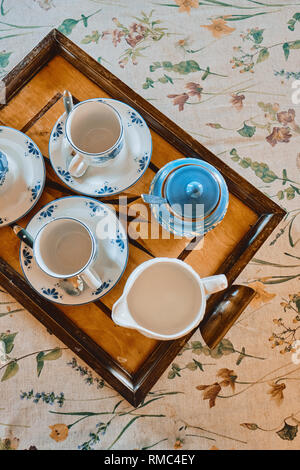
column 133, row 387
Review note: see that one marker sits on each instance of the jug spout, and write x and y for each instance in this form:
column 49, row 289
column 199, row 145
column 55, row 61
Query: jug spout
column 121, row 315
column 214, row 283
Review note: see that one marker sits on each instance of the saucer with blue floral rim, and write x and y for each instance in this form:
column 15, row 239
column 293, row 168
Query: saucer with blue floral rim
column 109, row 264
column 124, row 171
column 22, row 175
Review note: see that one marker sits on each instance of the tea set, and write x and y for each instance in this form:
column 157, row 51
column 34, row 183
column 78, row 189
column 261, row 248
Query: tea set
column 101, row 147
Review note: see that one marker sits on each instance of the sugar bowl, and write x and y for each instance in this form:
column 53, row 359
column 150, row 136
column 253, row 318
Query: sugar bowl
column 188, row 197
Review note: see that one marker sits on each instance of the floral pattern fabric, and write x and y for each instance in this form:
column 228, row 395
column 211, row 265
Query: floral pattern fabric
column 228, row 73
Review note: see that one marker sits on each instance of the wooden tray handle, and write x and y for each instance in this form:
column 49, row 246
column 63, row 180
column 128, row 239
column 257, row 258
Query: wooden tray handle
column 219, row 319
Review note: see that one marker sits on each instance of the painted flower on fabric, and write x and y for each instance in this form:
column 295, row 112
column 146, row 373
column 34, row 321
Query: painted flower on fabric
column 116, row 37
column 210, row 392
column 123, row 62
column 228, row 376
column 179, row 100
column 262, row 296
column 136, row 34
column 183, row 43
column 286, row 117
column 270, row 110
column 250, row 426
column 276, row 392
column 279, row 134
column 116, row 34
column 237, row 101
column 186, row 5
column 218, row 28
column 287, row 326
column 214, row 125
column 45, row 4
column 194, row 89
column 145, row 30
column 59, row 432
column 178, row 444
column 9, row 443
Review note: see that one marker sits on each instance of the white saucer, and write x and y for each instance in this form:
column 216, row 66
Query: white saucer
column 24, row 181
column 122, row 172
column 111, row 260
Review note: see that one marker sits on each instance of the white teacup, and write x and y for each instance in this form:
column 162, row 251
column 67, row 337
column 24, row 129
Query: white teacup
column 95, row 131
column 66, row 247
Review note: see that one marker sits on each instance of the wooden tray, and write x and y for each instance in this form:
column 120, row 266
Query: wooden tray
column 130, row 362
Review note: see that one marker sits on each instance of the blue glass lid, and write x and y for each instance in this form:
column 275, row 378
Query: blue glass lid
column 192, row 191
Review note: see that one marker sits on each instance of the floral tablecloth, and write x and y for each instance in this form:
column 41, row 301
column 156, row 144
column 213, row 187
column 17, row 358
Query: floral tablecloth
column 226, row 71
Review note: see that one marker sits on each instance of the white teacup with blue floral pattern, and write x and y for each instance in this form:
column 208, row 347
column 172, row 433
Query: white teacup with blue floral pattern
column 95, row 132
column 64, row 248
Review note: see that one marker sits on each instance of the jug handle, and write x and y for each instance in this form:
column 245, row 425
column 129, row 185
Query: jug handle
column 221, row 314
column 214, row 283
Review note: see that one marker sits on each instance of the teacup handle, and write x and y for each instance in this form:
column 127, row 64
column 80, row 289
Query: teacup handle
column 91, row 278
column 77, row 166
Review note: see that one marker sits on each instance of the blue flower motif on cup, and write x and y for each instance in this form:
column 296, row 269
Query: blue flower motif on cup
column 48, row 212
column 58, row 131
column 117, row 150
column 106, row 189
column 96, row 209
column 3, row 167
column 65, row 174
column 53, row 293
column 103, row 287
column 32, row 150
column 135, row 118
column 142, row 162
column 27, row 257
column 119, row 241
column 111, row 155
column 35, row 191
